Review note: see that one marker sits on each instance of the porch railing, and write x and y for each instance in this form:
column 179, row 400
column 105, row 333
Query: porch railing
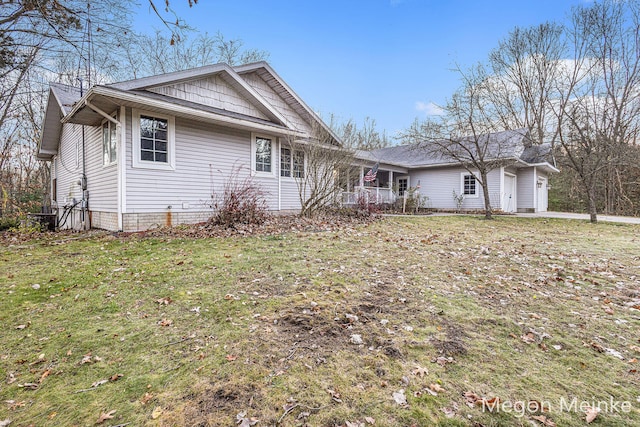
column 375, row 195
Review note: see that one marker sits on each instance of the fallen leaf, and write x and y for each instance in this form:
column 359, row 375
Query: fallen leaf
column 157, row 412
column 528, row 338
column 5, row 423
column 544, row 420
column 399, row 397
column 44, row 375
column 335, row 396
column 105, row 416
column 436, row 388
column 115, row 377
column 231, row 357
column 370, row 420
column 165, row 322
column 146, row 398
column 420, row 371
column 243, row 421
column 591, row 414
column 98, row 383
column 164, row 301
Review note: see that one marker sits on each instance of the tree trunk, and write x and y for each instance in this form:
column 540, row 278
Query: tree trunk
column 591, row 195
column 488, row 210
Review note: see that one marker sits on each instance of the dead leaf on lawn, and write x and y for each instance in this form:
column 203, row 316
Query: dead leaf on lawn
column 544, row 420
column 231, row 357
column 157, row 412
column 146, row 398
column 370, row 420
column 115, row 377
column 99, row 383
column 165, row 322
column 164, row 301
column 105, row 416
column 436, row 388
column 591, row 414
column 335, row 396
column 399, row 397
column 529, row 338
column 243, row 421
column 5, row 423
column 420, row 371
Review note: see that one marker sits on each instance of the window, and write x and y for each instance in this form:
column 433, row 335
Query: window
column 403, row 184
column 285, row 162
column 291, row 165
column 298, row 164
column 153, row 141
column 263, row 154
column 109, row 143
column 469, row 185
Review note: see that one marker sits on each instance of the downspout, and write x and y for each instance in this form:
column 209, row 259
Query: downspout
column 84, row 204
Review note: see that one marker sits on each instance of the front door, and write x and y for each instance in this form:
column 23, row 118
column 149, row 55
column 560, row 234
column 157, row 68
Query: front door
column 403, row 185
column 509, row 194
column 543, row 194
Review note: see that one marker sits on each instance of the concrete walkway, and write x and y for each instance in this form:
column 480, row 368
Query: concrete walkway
column 568, row 215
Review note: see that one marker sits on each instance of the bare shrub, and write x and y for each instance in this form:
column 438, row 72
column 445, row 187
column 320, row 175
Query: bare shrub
column 241, row 201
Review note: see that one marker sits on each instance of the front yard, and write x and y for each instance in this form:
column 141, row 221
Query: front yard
column 420, row 321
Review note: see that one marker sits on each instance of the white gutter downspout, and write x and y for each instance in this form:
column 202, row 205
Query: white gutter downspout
column 122, row 166
column 278, row 173
column 535, row 189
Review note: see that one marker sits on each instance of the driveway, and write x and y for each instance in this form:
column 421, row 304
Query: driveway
column 568, row 215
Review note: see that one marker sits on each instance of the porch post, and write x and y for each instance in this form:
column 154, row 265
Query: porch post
column 361, row 176
column 390, row 180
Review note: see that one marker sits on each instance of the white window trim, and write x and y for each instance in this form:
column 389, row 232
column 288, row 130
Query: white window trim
column 469, row 196
column 115, row 162
column 275, row 161
column 171, row 141
column 291, row 176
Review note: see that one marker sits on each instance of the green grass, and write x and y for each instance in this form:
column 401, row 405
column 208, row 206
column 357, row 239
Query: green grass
column 263, row 325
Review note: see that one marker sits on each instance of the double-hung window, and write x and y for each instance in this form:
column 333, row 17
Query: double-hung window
column 469, row 185
column 291, row 163
column 109, row 143
column 285, row 162
column 263, row 154
column 153, row 141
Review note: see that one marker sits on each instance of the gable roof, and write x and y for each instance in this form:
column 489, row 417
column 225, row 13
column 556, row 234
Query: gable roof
column 61, row 100
column 225, row 71
column 66, row 104
column 509, row 144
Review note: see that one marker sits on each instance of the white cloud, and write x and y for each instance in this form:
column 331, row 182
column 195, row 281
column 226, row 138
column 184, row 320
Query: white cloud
column 429, row 108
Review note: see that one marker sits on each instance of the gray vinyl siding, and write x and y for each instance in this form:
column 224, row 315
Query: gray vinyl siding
column 206, row 157
column 275, row 100
column 68, row 166
column 526, row 189
column 438, row 184
column 213, row 91
column 102, row 181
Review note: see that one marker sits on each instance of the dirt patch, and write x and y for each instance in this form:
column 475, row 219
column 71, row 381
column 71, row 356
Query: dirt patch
column 211, row 405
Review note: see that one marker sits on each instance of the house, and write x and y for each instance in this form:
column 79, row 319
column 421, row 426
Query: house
column 151, row 151
column 518, row 183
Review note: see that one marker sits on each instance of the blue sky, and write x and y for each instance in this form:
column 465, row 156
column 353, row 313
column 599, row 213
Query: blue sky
column 385, row 59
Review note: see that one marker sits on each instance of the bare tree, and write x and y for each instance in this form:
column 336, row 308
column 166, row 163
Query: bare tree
column 465, row 133
column 365, row 137
column 316, row 162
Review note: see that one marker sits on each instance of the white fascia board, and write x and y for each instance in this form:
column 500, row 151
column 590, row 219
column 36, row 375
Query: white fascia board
column 266, row 66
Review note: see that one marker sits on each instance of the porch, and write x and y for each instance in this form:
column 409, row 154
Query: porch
column 389, row 185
